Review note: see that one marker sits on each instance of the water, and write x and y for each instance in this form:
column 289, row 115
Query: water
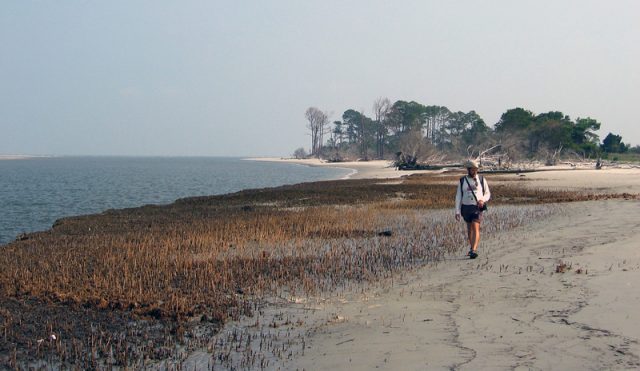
column 36, row 192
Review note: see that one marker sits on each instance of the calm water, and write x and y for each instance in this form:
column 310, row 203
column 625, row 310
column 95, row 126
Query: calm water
column 36, row 192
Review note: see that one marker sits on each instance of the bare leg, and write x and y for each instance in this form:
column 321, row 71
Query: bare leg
column 474, row 235
column 470, row 235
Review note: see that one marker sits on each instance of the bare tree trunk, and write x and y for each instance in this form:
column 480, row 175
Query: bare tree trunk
column 317, row 123
column 363, row 142
column 381, row 108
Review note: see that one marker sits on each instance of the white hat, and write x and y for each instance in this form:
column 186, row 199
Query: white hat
column 471, row 164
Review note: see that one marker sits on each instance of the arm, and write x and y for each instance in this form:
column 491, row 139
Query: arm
column 487, row 193
column 458, row 200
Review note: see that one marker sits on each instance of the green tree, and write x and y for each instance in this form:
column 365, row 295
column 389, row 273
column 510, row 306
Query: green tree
column 549, row 130
column 406, row 116
column 351, row 119
column 462, row 130
column 583, row 137
column 338, row 133
column 436, row 120
column 613, row 144
column 360, row 130
column 476, row 130
column 583, row 131
column 515, row 120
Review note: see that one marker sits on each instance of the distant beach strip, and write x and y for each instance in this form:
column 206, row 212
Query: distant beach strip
column 375, row 169
column 19, row 157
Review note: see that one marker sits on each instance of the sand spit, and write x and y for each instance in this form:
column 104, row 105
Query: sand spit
column 384, row 169
column 375, row 169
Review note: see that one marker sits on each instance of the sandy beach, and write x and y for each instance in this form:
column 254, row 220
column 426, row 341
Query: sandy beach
column 375, row 169
column 508, row 310
column 558, row 294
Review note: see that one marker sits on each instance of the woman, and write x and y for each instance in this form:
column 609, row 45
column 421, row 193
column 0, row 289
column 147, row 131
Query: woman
column 471, row 196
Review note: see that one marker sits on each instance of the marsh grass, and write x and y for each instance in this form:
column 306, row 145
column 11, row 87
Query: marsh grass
column 140, row 277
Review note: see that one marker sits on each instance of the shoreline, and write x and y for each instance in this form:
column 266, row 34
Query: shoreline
column 620, row 179
column 374, row 169
column 9, row 237
column 19, row 157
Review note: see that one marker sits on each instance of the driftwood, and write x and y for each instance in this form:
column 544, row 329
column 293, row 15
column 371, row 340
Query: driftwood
column 508, row 171
column 421, row 167
column 507, row 167
column 410, row 162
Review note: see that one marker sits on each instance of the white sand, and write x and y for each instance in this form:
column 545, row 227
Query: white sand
column 597, row 181
column 507, row 310
column 618, row 180
column 375, row 169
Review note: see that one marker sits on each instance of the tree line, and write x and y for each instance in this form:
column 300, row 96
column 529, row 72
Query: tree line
column 428, row 133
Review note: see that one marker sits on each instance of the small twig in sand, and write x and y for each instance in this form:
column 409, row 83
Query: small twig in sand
column 346, row 341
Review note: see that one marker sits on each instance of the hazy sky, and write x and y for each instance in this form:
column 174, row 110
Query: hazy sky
column 234, row 78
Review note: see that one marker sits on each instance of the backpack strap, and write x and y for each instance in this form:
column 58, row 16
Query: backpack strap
column 473, row 194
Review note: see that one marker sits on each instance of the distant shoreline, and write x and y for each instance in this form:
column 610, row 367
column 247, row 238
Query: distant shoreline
column 18, row 157
column 374, row 169
column 384, row 169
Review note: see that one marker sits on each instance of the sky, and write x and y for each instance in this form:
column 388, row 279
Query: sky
column 234, row 78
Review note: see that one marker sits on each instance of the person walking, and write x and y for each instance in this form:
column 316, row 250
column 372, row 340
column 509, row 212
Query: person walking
column 471, row 198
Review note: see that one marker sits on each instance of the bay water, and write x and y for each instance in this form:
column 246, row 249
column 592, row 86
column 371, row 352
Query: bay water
column 35, row 192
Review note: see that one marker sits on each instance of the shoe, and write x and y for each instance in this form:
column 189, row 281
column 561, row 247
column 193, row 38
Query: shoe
column 473, row 255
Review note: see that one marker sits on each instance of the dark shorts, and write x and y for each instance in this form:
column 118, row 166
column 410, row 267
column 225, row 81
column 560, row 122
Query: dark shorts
column 471, row 213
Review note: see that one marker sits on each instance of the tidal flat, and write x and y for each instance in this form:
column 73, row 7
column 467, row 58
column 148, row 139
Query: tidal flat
column 134, row 287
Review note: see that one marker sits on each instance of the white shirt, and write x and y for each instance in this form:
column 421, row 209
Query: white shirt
column 468, row 189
